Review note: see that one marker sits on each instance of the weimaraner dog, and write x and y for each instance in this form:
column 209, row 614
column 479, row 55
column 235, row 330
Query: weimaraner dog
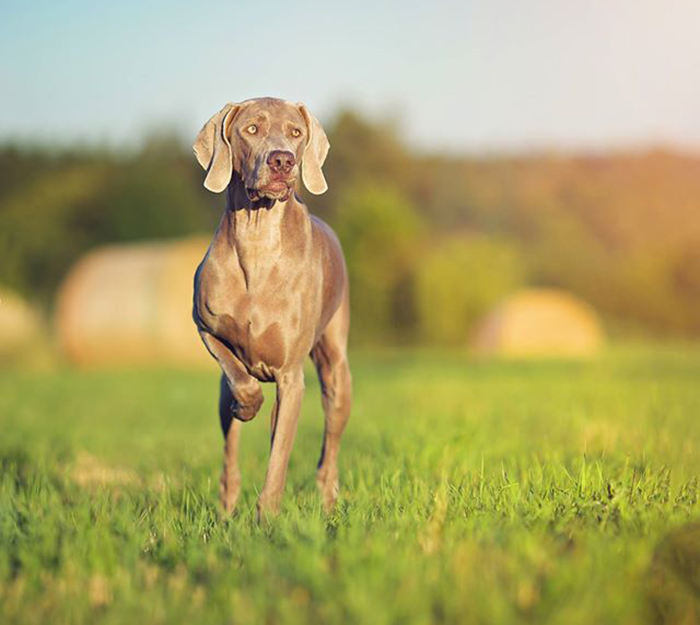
column 273, row 287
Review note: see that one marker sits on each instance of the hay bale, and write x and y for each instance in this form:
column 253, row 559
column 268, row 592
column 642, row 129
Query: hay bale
column 540, row 323
column 21, row 328
column 132, row 305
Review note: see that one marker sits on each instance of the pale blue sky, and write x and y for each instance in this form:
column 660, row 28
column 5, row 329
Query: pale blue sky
column 463, row 76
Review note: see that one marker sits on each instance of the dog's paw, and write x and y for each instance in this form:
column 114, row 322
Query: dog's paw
column 246, row 410
column 229, row 489
column 329, row 487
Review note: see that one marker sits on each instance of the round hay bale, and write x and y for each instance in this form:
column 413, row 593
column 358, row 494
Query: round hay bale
column 540, row 323
column 21, row 328
column 132, row 305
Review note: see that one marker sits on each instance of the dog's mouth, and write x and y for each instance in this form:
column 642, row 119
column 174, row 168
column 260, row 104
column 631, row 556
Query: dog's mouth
column 277, row 190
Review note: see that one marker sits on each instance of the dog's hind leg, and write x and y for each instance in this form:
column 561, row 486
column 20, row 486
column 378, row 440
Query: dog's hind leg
column 330, row 357
column 230, row 482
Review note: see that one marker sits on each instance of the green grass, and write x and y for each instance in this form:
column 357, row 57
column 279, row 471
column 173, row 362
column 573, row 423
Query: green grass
column 472, row 492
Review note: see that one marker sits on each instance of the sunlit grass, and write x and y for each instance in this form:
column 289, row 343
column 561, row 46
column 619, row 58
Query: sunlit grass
column 472, row 492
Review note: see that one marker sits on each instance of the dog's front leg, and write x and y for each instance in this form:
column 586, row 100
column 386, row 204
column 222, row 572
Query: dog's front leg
column 290, row 391
column 240, row 399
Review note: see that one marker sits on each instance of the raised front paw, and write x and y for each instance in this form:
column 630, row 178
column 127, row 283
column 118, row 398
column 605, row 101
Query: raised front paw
column 246, row 408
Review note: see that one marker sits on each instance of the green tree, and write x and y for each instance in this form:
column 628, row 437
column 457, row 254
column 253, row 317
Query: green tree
column 381, row 233
column 458, row 280
column 363, row 152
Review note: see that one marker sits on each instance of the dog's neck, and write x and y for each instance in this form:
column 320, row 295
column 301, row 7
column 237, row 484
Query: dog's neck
column 255, row 229
column 255, row 221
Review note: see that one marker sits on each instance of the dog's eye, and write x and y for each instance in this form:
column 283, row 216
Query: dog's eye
column 296, row 132
column 252, row 129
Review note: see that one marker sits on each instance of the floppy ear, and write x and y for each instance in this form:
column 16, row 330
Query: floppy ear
column 317, row 147
column 213, row 148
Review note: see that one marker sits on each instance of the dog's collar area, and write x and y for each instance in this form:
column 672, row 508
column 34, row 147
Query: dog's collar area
column 255, row 195
column 240, row 197
column 263, row 202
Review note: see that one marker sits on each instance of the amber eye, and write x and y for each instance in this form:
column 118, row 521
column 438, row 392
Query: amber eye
column 296, row 132
column 252, row 129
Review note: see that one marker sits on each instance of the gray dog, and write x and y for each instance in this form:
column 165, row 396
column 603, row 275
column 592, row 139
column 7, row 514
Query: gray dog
column 273, row 287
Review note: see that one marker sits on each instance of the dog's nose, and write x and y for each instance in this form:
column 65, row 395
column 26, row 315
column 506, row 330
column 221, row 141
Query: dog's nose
column 281, row 161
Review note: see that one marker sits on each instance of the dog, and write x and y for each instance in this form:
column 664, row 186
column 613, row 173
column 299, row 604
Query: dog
column 272, row 288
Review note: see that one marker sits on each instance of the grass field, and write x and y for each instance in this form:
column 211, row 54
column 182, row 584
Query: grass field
column 472, row 492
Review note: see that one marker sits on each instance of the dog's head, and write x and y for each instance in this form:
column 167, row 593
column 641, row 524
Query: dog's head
column 266, row 141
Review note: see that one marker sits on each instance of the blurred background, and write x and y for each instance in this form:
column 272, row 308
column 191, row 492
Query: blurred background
column 516, row 186
column 511, row 178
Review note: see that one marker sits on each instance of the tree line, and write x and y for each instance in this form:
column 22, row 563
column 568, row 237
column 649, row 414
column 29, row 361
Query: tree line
column 432, row 241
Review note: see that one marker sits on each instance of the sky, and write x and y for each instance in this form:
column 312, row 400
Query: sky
column 457, row 76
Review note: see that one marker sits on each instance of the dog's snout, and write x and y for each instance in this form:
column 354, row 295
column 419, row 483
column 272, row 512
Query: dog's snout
column 281, row 161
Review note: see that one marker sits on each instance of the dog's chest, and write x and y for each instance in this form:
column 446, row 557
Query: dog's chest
column 258, row 308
